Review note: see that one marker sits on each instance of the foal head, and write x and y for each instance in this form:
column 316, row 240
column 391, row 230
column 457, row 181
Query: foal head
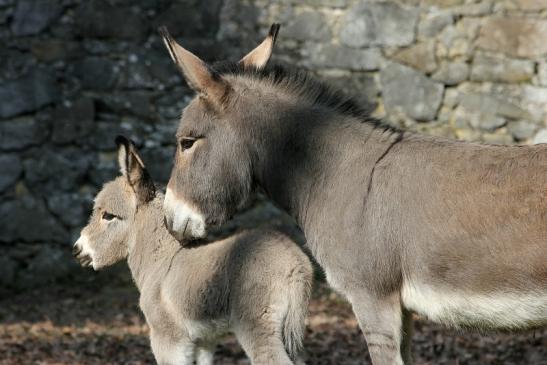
column 105, row 239
column 212, row 175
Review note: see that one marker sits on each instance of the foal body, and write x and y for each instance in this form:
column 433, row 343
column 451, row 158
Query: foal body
column 193, row 297
column 400, row 222
column 255, row 284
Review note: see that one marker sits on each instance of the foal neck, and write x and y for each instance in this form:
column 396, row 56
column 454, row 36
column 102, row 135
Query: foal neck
column 152, row 243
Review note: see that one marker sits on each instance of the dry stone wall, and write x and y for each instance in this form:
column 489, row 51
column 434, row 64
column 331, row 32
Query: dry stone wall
column 466, row 69
column 74, row 73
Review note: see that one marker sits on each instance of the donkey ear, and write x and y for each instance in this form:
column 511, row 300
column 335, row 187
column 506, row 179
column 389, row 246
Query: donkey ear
column 132, row 167
column 260, row 56
column 199, row 76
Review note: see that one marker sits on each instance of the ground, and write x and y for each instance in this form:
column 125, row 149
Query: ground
column 90, row 321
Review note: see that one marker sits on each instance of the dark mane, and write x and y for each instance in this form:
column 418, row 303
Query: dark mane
column 305, row 85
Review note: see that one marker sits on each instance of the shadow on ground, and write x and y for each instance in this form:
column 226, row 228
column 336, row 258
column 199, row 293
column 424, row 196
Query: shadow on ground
column 96, row 320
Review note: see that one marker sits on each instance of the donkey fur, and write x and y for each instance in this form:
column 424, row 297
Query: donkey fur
column 400, row 222
column 255, row 283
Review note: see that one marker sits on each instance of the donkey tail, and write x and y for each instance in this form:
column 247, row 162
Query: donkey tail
column 294, row 324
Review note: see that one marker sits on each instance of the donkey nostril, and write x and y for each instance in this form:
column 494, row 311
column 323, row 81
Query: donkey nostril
column 85, row 260
column 76, row 251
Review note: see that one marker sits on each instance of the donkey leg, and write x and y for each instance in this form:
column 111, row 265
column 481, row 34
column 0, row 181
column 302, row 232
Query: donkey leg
column 264, row 346
column 205, row 355
column 406, row 343
column 169, row 351
column 381, row 321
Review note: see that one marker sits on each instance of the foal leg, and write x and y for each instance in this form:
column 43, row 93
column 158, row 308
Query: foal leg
column 205, row 355
column 381, row 321
column 169, row 351
column 263, row 345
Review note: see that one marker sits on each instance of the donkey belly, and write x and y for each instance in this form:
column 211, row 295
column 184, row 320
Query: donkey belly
column 460, row 309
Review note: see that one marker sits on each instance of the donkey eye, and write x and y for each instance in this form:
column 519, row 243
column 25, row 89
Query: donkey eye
column 108, row 216
column 187, row 143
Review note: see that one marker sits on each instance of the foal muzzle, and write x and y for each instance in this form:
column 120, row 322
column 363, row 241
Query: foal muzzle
column 83, row 258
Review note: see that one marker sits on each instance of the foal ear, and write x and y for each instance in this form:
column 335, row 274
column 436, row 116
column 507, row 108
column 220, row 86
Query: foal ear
column 132, row 167
column 199, row 76
column 260, row 56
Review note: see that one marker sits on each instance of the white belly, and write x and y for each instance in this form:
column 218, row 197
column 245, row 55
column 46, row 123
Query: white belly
column 501, row 310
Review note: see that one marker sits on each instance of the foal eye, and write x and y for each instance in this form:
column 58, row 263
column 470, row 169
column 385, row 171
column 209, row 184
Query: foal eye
column 187, row 143
column 108, row 216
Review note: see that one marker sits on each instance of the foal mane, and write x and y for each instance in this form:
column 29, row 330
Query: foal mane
column 306, row 86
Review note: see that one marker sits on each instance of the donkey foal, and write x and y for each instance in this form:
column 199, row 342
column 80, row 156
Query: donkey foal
column 255, row 284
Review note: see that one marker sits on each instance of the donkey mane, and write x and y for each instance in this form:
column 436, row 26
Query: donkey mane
column 304, row 85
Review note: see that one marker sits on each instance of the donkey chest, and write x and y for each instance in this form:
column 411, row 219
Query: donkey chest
column 459, row 309
column 183, row 317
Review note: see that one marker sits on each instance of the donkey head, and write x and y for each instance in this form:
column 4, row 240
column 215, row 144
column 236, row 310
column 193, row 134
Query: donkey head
column 212, row 175
column 106, row 238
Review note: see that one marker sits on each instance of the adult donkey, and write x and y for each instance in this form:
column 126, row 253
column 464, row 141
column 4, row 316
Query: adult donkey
column 400, row 222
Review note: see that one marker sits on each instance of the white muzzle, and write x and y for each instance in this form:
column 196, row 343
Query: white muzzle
column 182, row 221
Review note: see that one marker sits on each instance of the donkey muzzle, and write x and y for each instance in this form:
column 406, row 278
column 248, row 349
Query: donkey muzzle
column 83, row 259
column 78, row 251
column 181, row 220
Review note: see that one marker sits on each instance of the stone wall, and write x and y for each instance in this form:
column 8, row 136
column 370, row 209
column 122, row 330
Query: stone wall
column 466, row 69
column 73, row 74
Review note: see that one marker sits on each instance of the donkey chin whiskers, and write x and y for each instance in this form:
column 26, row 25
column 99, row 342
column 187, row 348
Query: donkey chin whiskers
column 83, row 252
column 182, row 220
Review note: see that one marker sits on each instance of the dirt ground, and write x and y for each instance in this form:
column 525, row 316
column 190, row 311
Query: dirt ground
column 92, row 321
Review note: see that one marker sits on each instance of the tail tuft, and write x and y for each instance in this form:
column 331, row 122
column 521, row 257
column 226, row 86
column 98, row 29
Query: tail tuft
column 294, row 324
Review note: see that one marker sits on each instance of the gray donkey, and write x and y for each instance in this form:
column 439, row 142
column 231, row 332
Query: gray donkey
column 400, row 222
column 255, row 284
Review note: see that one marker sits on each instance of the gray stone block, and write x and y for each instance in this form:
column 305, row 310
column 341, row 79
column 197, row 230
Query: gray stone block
column 541, row 136
column 10, row 170
column 499, row 69
column 515, row 36
column 432, row 24
column 309, row 25
column 336, row 56
column 522, row 129
column 99, row 19
column 361, row 87
column 451, row 73
column 28, row 220
column 72, row 209
column 96, row 73
column 33, row 16
column 379, row 24
column 415, row 94
column 420, row 56
column 489, row 104
column 19, row 133
column 74, row 121
column 54, row 170
column 28, row 93
column 48, row 264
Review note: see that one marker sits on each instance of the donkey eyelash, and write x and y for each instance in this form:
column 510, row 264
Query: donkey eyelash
column 107, row 216
column 187, row 142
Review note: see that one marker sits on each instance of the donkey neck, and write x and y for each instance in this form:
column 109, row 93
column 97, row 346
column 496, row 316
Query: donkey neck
column 320, row 163
column 153, row 246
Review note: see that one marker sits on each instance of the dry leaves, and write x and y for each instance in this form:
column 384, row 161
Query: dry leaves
column 93, row 323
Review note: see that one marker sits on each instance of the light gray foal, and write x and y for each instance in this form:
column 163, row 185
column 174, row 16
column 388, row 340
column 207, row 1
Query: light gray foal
column 255, row 284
